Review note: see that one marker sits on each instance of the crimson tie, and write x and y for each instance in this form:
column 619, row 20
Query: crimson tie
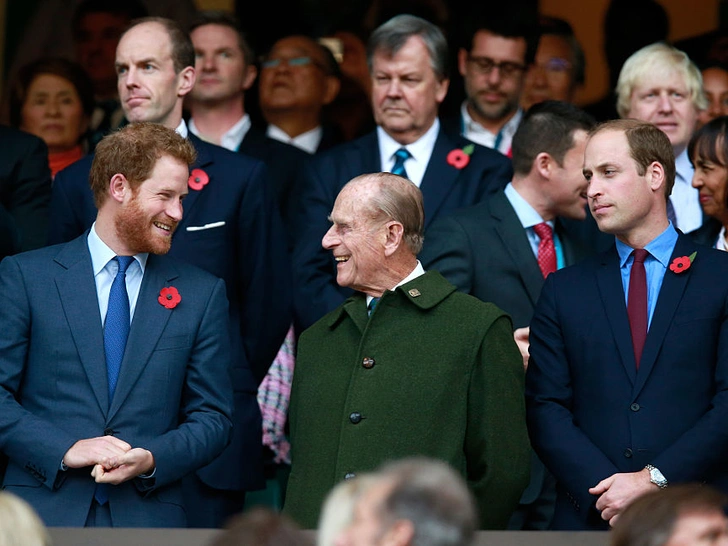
column 637, row 303
column 546, row 249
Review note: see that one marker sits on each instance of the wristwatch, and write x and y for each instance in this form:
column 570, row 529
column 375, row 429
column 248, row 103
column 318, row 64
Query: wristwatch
column 657, row 477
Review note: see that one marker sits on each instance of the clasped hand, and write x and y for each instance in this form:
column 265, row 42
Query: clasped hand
column 114, row 461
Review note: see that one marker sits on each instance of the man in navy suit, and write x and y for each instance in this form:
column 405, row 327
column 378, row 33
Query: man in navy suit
column 407, row 60
column 231, row 229
column 91, row 442
column 627, row 385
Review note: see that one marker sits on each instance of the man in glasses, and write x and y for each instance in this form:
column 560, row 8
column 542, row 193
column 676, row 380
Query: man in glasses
column 558, row 70
column 493, row 61
column 298, row 77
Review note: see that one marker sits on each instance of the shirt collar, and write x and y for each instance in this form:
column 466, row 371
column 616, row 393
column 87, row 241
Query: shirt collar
column 420, row 149
column 416, row 272
column 660, row 247
column 233, row 137
column 101, row 254
column 508, row 129
column 525, row 212
column 308, row 141
column 181, row 129
column 683, row 168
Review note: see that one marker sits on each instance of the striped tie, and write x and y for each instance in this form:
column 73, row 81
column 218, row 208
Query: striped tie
column 401, row 156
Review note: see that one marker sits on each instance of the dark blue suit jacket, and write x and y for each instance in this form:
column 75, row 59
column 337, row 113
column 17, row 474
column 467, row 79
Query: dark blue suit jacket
column 592, row 414
column 444, row 188
column 173, row 396
column 249, row 252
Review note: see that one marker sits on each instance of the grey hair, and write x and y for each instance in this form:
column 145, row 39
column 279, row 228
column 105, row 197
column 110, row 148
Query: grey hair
column 391, row 36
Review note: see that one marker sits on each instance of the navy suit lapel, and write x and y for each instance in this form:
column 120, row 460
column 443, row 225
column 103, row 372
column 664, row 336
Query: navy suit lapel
column 439, row 177
column 204, row 159
column 609, row 280
column 366, row 154
column 77, row 292
column 150, row 320
column 671, row 293
column 514, row 238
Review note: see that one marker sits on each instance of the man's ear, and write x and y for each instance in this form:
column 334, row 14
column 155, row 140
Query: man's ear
column 332, row 86
column 186, row 81
column 394, row 235
column 657, row 175
column 544, row 165
column 251, row 72
column 401, row 533
column 119, row 187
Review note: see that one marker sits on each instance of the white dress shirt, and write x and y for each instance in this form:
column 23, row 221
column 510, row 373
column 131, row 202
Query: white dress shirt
column 420, row 152
column 686, row 199
column 232, row 138
column 472, row 130
column 308, row 141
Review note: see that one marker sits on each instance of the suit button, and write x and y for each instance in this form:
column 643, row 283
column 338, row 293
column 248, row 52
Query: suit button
column 628, row 453
column 355, row 417
column 349, row 476
column 634, row 407
column 367, row 363
column 109, row 432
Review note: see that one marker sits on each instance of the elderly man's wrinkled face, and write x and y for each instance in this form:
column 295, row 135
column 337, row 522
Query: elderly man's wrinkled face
column 357, row 241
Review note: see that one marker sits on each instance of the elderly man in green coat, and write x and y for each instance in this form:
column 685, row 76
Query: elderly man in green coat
column 407, row 366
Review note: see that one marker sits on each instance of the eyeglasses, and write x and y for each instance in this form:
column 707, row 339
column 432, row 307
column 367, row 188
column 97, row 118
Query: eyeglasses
column 555, row 65
column 485, row 65
column 293, row 62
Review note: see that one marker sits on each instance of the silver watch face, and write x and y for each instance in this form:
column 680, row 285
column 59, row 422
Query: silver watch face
column 657, row 477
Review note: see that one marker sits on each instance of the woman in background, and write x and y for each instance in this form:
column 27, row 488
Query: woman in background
column 53, row 98
column 708, row 152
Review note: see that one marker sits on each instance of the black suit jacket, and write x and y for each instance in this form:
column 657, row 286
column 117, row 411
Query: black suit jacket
column 444, row 188
column 25, row 191
column 707, row 234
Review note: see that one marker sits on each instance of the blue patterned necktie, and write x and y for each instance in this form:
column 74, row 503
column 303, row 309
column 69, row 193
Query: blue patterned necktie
column 401, row 156
column 116, row 328
column 116, row 332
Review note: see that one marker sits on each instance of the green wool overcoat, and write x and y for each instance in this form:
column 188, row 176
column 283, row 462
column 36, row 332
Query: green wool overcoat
column 433, row 372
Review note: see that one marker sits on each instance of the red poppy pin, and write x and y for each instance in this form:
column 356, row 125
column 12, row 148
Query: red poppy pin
column 460, row 158
column 682, row 263
column 198, row 179
column 169, row 297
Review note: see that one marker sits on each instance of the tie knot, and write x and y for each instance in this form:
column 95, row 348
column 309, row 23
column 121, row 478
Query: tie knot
column 402, row 154
column 640, row 255
column 543, row 230
column 124, row 262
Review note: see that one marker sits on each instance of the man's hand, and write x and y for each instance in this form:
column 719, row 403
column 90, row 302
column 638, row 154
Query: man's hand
column 94, row 450
column 129, row 465
column 521, row 337
column 618, row 490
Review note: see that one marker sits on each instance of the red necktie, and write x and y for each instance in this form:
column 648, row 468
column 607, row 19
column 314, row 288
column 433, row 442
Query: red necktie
column 546, row 249
column 637, row 303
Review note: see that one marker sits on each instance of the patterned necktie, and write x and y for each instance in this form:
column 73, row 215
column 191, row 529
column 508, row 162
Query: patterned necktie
column 637, row 303
column 401, row 156
column 546, row 249
column 116, row 328
column 116, row 332
column 372, row 305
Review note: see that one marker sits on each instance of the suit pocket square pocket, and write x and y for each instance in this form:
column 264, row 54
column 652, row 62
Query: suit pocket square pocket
column 212, row 225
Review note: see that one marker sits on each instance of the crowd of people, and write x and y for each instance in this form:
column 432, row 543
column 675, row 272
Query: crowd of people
column 229, row 277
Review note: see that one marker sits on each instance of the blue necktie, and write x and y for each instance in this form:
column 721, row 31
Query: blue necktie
column 401, row 156
column 372, row 305
column 116, row 332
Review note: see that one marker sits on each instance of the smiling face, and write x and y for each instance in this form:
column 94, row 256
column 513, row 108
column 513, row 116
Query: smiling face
column 149, row 87
column 222, row 74
column 53, row 111
column 710, row 178
column 568, row 193
column 623, row 202
column 150, row 212
column 666, row 103
column 406, row 93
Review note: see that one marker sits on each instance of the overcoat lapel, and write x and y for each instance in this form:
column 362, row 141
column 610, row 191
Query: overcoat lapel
column 671, row 293
column 609, row 281
column 150, row 320
column 77, row 292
